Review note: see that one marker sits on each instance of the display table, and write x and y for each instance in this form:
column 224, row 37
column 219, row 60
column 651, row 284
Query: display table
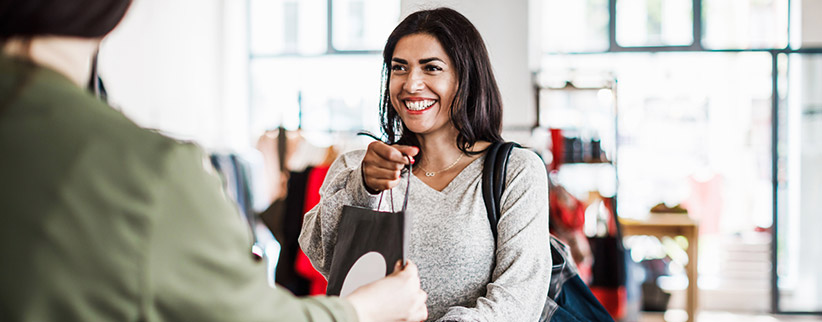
column 672, row 225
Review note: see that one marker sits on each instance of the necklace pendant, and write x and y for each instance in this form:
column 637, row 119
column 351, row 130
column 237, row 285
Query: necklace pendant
column 429, row 174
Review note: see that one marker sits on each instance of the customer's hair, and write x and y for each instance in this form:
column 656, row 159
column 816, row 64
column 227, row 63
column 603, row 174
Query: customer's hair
column 24, row 19
column 76, row 18
column 476, row 110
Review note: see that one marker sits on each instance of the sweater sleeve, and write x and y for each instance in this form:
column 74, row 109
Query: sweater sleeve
column 200, row 267
column 521, row 277
column 343, row 185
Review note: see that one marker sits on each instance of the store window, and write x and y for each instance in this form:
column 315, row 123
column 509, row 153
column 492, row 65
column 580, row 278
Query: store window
column 308, row 76
column 363, row 24
column 642, row 23
column 288, row 27
column 703, row 88
column 745, row 24
column 588, row 19
column 330, row 93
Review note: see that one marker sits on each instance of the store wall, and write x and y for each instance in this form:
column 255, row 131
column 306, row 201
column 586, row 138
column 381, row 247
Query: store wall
column 504, row 27
column 180, row 66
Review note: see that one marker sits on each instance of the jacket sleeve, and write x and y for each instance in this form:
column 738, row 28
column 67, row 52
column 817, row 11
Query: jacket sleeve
column 343, row 185
column 522, row 274
column 200, row 265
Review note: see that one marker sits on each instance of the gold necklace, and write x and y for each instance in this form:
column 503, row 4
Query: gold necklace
column 431, row 174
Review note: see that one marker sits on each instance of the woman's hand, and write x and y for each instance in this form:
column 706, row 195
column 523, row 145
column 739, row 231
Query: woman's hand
column 397, row 297
column 382, row 164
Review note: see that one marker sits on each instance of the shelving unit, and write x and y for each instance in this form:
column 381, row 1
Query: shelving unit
column 582, row 120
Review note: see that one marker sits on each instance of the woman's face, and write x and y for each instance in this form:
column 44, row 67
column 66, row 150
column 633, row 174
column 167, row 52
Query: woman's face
column 422, row 84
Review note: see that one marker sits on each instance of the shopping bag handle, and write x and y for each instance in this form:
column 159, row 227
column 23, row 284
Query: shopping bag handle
column 391, row 191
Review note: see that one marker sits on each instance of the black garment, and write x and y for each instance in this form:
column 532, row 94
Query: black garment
column 292, row 225
column 273, row 216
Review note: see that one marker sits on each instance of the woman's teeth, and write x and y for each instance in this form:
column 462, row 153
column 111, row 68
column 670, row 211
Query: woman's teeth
column 419, row 105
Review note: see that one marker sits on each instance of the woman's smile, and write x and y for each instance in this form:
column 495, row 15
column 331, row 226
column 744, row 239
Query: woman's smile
column 417, row 105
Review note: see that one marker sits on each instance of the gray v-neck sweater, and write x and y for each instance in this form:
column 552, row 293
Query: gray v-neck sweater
column 466, row 277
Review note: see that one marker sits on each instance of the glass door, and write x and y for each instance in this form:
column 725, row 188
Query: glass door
column 799, row 186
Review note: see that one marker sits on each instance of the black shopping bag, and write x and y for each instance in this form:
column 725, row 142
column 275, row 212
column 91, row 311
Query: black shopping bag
column 369, row 243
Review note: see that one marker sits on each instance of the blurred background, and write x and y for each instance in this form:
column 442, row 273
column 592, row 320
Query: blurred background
column 688, row 131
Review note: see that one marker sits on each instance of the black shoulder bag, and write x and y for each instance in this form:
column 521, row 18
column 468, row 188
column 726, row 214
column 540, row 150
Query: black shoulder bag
column 569, row 299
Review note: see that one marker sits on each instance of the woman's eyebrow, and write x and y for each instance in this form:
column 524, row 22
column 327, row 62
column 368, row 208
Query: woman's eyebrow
column 428, row 60
column 399, row 60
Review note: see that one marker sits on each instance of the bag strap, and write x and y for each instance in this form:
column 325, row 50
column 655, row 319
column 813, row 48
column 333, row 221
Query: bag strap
column 407, row 188
column 493, row 180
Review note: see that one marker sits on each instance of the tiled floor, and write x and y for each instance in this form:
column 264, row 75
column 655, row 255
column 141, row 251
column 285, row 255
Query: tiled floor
column 712, row 316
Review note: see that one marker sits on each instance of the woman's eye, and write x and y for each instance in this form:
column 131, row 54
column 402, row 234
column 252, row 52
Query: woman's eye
column 433, row 68
column 397, row 68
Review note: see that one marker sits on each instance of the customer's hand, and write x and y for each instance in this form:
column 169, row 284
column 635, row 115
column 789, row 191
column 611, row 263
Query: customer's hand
column 382, row 164
column 397, row 297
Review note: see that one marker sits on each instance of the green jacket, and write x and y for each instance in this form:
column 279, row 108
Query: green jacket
column 101, row 220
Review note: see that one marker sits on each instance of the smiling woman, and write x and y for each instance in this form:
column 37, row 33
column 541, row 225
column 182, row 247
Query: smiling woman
column 441, row 106
column 449, row 36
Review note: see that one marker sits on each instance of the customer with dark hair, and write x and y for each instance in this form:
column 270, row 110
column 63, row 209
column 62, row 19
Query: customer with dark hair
column 441, row 105
column 104, row 221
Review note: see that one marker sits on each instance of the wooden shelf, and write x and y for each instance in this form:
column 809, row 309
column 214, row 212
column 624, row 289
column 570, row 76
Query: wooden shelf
column 672, row 225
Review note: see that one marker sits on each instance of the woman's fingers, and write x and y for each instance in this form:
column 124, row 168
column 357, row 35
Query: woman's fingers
column 382, row 164
column 381, row 179
column 382, row 174
column 393, row 153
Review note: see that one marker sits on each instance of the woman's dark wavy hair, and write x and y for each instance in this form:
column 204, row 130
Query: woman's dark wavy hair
column 476, row 110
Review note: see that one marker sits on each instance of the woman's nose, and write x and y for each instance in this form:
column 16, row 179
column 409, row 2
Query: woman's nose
column 414, row 82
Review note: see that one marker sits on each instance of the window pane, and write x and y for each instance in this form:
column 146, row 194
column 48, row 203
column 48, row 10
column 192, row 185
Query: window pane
column 363, row 24
column 654, row 23
column 286, row 91
column 800, row 185
column 574, row 26
column 288, row 26
column 745, row 24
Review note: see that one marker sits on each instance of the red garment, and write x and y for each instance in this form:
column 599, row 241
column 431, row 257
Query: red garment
column 302, row 265
column 565, row 209
column 312, row 186
column 612, row 299
column 316, row 281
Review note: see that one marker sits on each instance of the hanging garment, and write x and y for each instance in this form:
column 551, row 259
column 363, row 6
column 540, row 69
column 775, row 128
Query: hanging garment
column 292, row 224
column 608, row 269
column 272, row 145
column 237, row 185
column 317, row 283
